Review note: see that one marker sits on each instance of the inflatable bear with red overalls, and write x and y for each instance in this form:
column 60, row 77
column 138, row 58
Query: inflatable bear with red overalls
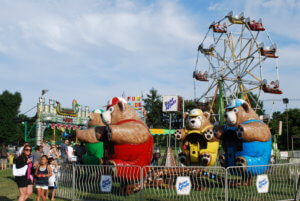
column 127, row 136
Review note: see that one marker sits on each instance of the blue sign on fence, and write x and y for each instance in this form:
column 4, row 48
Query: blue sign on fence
column 183, row 185
column 106, row 183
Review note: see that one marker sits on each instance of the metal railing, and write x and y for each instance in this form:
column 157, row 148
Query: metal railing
column 107, row 182
column 169, row 183
column 276, row 182
column 166, row 183
column 99, row 182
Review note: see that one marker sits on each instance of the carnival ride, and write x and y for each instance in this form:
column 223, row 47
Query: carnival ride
column 241, row 58
column 54, row 116
column 239, row 64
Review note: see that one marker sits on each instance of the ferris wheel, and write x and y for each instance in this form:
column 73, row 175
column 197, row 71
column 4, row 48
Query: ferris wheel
column 241, row 61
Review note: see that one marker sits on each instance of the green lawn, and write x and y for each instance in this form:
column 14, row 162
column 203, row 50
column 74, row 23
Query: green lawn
column 9, row 190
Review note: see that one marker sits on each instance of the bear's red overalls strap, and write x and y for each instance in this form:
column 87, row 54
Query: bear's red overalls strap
column 133, row 155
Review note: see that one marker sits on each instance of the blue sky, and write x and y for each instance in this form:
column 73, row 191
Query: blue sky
column 92, row 50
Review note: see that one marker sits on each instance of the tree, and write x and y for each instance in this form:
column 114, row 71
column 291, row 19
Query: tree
column 293, row 126
column 10, row 127
column 153, row 106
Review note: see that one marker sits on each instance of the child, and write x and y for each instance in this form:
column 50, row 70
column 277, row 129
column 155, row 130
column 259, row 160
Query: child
column 52, row 179
column 42, row 173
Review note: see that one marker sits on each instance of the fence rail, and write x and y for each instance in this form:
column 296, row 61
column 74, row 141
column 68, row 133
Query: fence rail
column 99, row 182
column 271, row 182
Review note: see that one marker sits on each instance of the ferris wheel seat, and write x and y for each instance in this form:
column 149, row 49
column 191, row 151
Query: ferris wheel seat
column 218, row 28
column 206, row 51
column 271, row 90
column 199, row 76
column 255, row 26
column 236, row 20
column 201, row 79
column 268, row 53
column 239, row 19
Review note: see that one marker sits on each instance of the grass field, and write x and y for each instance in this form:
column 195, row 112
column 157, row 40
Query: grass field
column 8, row 188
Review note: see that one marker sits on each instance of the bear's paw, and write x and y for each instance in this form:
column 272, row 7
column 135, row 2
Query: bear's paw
column 240, row 132
column 208, row 134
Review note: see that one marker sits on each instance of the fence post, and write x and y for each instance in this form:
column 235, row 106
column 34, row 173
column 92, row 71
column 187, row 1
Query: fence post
column 73, row 182
column 141, row 182
column 226, row 184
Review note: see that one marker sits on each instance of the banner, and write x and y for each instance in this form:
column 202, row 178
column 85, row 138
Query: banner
column 137, row 103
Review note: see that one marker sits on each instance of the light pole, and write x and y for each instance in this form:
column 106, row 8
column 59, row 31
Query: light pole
column 286, row 102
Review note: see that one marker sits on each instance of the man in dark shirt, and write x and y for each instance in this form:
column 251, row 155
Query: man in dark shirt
column 63, row 150
column 37, row 155
column 79, row 152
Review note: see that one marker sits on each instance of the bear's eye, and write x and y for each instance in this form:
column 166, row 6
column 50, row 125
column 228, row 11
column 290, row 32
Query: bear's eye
column 199, row 117
column 235, row 110
column 111, row 109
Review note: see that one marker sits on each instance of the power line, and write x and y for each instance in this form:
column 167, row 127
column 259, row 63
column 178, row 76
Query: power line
column 280, row 100
column 29, row 110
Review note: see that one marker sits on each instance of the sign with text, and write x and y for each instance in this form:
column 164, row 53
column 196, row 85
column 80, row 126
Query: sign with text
column 183, row 185
column 171, row 103
column 106, row 183
column 137, row 103
column 262, row 183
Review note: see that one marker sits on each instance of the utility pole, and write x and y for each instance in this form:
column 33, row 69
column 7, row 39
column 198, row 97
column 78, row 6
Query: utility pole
column 286, row 102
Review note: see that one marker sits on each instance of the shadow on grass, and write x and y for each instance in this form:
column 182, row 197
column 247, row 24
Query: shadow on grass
column 2, row 198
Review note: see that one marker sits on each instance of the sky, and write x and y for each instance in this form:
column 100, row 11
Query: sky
column 93, row 50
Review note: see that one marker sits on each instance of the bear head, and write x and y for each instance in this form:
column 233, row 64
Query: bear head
column 197, row 120
column 96, row 118
column 239, row 111
column 118, row 110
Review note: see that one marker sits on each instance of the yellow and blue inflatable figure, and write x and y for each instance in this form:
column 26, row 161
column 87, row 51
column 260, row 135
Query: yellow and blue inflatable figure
column 196, row 149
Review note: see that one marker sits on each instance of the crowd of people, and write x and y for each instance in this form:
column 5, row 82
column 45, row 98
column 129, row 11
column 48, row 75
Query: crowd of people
column 39, row 167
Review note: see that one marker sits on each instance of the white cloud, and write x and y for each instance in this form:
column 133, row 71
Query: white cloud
column 93, row 50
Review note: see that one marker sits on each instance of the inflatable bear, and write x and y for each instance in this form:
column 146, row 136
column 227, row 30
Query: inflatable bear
column 95, row 150
column 246, row 139
column 129, row 139
column 197, row 142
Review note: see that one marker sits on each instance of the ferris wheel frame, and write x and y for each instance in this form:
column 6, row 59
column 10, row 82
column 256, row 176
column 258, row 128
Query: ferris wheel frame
column 236, row 61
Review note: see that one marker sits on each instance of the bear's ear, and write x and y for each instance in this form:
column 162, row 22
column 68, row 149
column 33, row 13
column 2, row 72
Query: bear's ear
column 121, row 106
column 185, row 115
column 206, row 115
column 245, row 106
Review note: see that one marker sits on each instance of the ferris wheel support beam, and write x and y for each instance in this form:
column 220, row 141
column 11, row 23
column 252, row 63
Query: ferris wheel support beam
column 245, row 73
column 221, row 103
column 213, row 84
column 240, row 64
column 242, row 50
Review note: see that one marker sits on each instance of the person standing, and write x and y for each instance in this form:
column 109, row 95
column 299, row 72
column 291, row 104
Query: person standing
column 23, row 173
column 70, row 154
column 37, row 155
column 52, row 180
column 79, row 152
column 42, row 173
column 53, row 153
column 63, row 150
column 21, row 148
column 3, row 156
column 46, row 148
